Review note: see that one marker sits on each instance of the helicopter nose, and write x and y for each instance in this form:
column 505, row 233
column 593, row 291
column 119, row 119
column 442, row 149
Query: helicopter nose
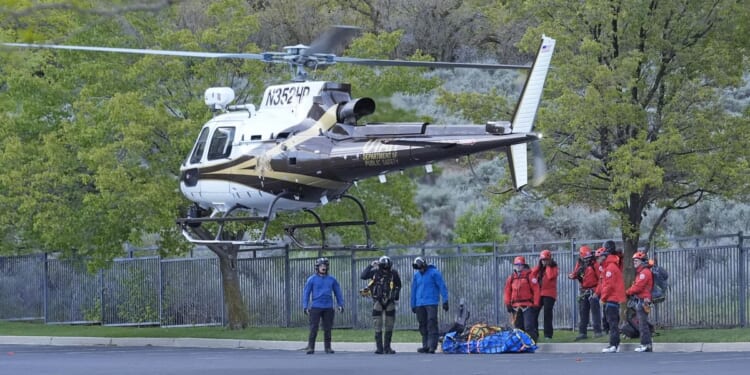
column 190, row 177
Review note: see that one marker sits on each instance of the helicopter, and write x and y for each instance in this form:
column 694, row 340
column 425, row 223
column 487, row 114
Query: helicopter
column 305, row 144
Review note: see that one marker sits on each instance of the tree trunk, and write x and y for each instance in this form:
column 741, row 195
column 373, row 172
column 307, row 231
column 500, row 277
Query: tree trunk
column 237, row 311
column 238, row 316
column 631, row 234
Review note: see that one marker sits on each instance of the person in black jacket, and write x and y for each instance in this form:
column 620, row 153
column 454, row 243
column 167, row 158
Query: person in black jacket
column 384, row 287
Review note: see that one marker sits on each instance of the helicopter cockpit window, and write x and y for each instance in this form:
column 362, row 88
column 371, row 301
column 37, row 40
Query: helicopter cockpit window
column 221, row 143
column 200, row 145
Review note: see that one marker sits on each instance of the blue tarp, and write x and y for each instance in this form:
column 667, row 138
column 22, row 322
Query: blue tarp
column 506, row 341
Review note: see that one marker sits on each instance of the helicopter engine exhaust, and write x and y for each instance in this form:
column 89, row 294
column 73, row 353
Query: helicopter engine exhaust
column 355, row 109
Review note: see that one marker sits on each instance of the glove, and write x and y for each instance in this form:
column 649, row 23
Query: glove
column 340, row 309
column 445, row 306
column 306, row 311
column 414, row 310
column 509, row 308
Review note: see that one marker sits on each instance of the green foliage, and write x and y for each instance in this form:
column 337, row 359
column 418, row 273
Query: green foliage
column 94, row 313
column 633, row 104
column 92, row 145
column 480, row 226
column 135, row 303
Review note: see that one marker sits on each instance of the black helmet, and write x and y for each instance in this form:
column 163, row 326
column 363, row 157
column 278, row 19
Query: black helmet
column 419, row 263
column 385, row 262
column 609, row 245
column 321, row 261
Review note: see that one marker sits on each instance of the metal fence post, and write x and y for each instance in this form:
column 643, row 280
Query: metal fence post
column 496, row 281
column 353, row 303
column 45, row 275
column 574, row 297
column 743, row 280
column 287, row 288
column 101, row 295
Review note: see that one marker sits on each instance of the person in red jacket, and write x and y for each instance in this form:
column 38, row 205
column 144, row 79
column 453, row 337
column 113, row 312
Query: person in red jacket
column 546, row 273
column 586, row 272
column 521, row 297
column 612, row 294
column 640, row 294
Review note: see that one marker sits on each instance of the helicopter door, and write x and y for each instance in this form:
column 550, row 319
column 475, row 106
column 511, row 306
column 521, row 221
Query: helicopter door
column 200, row 146
column 221, row 143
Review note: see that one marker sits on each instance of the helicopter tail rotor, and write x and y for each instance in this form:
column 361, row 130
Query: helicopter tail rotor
column 540, row 166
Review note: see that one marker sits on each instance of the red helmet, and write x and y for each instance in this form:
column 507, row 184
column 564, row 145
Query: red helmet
column 601, row 252
column 545, row 254
column 519, row 260
column 640, row 255
column 584, row 251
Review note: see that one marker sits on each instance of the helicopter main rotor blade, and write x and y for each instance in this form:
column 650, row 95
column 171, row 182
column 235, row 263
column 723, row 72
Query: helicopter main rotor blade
column 249, row 56
column 427, row 64
column 332, row 39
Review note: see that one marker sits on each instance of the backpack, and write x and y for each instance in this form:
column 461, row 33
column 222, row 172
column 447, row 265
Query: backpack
column 659, row 290
column 381, row 287
column 629, row 327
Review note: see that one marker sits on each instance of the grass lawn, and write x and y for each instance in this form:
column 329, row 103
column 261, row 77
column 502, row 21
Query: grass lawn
column 341, row 335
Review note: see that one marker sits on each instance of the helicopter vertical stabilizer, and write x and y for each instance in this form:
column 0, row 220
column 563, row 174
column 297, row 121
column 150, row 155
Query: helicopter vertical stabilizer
column 518, row 165
column 523, row 120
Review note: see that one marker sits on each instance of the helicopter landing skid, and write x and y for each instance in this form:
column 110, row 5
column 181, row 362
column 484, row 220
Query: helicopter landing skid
column 364, row 223
column 192, row 231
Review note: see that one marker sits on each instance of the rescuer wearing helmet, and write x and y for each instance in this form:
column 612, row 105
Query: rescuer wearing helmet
column 546, row 273
column 640, row 294
column 321, row 287
column 586, row 272
column 611, row 248
column 612, row 294
column 427, row 286
column 384, row 287
column 521, row 297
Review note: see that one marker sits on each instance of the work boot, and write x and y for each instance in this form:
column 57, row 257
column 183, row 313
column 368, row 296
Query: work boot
column 424, row 348
column 581, row 336
column 327, row 344
column 387, row 344
column 311, row 343
column 379, row 342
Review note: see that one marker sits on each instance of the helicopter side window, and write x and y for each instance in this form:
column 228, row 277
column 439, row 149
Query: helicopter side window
column 221, row 143
column 200, row 145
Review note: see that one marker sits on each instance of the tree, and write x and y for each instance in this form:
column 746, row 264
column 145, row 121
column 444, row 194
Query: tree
column 632, row 107
column 92, row 142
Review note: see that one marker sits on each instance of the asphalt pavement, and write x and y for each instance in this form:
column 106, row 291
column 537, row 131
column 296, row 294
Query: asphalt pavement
column 104, row 358
column 577, row 347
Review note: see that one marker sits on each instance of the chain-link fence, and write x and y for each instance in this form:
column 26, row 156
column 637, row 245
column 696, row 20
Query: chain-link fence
column 708, row 285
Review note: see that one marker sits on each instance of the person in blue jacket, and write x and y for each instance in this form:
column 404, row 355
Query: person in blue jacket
column 427, row 287
column 321, row 287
